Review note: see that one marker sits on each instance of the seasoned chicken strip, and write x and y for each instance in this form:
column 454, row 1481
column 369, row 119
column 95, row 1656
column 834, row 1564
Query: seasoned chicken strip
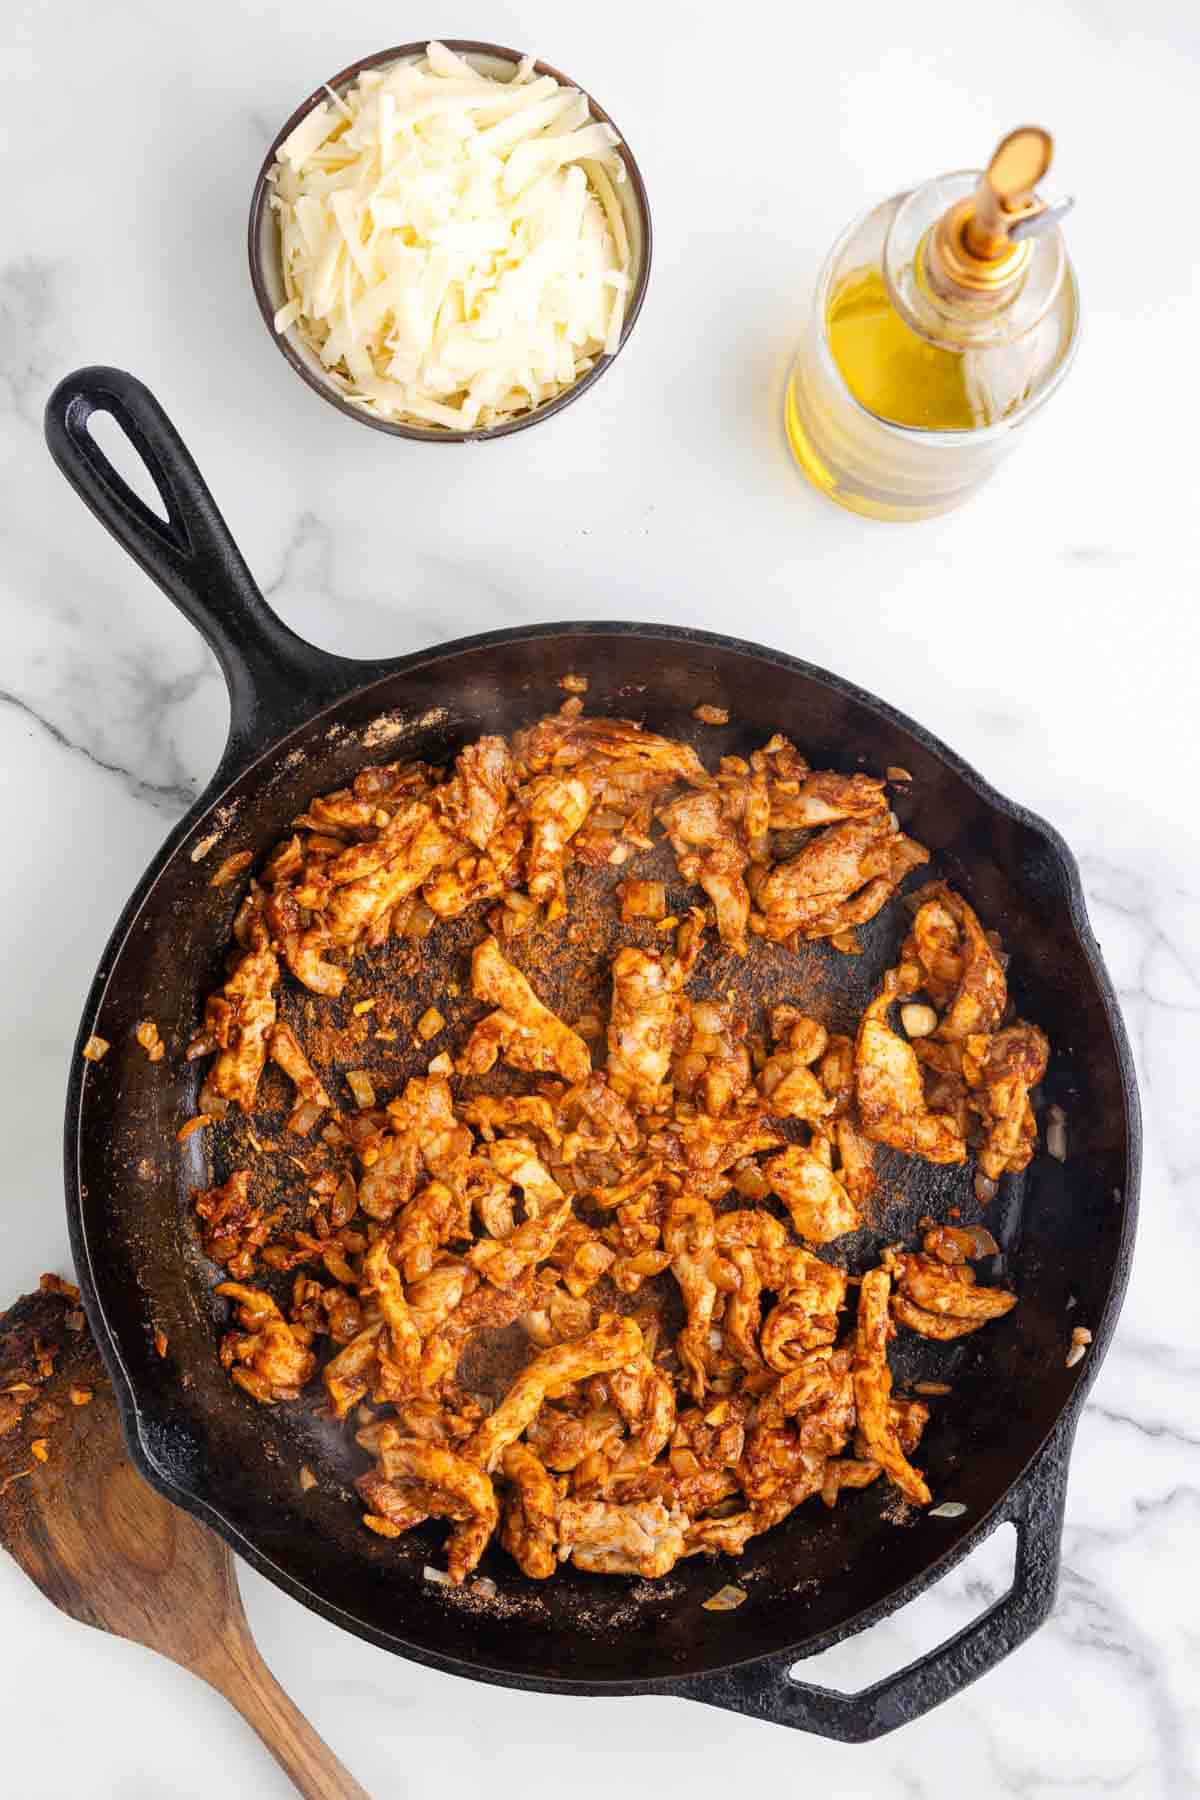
column 414, row 852
column 729, row 1536
column 812, row 1381
column 273, row 1358
column 447, row 1487
column 814, row 893
column 959, row 968
column 473, row 804
column 425, row 1133
column 434, row 1297
column 689, row 1233
column 642, row 1026
column 557, row 806
column 941, row 1289
column 392, row 1178
column 515, row 1159
column 560, row 743
column 787, row 1081
column 822, row 798
column 534, row 1038
column 304, row 954
column 239, row 1020
column 761, row 1230
column 847, row 1472
column 430, row 1219
column 640, row 1538
column 392, row 1508
column 453, row 889
column 613, row 1343
column 492, row 1113
column 710, row 851
column 563, row 1439
column 311, row 1097
column 855, row 1154
column 645, row 1398
column 891, row 1099
column 381, row 1277
column 811, row 1294
column 873, row 1388
column 933, row 945
column 349, row 1375
column 941, row 1327
column 607, row 1112
column 819, row 1285
column 1014, row 1061
column 503, row 1261
column 820, row 1207
column 707, row 1146
column 743, row 1310
column 583, row 1257
column 530, row 1529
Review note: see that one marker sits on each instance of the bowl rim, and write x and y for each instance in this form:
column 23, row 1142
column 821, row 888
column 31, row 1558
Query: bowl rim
column 432, row 434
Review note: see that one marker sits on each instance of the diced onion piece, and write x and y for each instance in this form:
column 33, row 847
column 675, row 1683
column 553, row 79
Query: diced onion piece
column 684, row 1463
column 643, row 899
column 452, row 246
column 418, row 921
column 360, row 1085
column 982, row 1241
column 429, row 1024
column 537, row 1328
column 726, row 1599
column 96, row 1049
column 439, row 1577
column 949, row 1509
column 1056, row 1133
column 918, row 1021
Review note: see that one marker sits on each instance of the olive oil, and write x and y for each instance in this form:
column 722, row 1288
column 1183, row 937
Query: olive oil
column 943, row 320
column 889, row 369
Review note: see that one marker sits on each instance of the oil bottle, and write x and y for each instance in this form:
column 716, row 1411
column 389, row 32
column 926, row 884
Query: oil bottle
column 943, row 320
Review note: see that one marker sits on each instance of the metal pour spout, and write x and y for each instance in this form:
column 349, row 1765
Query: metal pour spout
column 979, row 249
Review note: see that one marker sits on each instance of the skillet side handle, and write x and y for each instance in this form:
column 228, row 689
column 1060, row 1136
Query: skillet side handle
column 274, row 678
column 766, row 1690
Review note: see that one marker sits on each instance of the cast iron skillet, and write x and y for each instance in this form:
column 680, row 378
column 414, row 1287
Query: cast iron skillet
column 301, row 722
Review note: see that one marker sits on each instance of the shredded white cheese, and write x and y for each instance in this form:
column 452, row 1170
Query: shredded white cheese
column 452, row 246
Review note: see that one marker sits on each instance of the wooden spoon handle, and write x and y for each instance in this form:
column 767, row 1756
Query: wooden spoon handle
column 239, row 1672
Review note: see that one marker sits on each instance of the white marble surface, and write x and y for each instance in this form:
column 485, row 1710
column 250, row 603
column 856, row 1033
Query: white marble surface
column 133, row 134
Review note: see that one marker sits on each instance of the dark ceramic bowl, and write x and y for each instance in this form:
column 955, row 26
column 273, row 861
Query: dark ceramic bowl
column 266, row 270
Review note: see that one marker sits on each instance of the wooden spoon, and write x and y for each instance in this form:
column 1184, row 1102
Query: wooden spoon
column 109, row 1550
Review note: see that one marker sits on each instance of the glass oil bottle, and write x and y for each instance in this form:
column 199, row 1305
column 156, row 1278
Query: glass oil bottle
column 943, row 320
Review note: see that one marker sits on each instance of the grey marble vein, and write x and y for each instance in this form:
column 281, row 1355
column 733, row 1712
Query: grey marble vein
column 174, row 798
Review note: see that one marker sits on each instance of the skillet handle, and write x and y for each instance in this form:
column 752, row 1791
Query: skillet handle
column 274, row 677
column 767, row 1690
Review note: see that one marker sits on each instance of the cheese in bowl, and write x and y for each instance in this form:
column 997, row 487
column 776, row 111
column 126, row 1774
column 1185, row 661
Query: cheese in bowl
column 452, row 249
